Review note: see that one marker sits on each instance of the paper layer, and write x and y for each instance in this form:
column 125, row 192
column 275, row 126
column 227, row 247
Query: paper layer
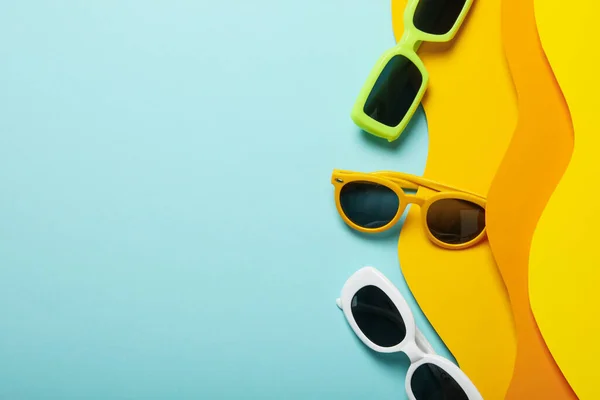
column 537, row 157
column 564, row 268
column 471, row 113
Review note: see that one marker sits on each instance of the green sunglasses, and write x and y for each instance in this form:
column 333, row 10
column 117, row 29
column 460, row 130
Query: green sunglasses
column 396, row 84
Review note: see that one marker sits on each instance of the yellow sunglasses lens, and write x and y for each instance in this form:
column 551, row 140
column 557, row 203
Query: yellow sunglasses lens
column 455, row 221
column 368, row 204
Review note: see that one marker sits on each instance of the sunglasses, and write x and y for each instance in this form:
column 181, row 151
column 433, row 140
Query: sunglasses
column 374, row 202
column 397, row 83
column 381, row 318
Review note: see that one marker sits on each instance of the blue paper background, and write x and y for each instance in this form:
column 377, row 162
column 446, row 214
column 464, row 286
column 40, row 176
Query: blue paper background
column 168, row 228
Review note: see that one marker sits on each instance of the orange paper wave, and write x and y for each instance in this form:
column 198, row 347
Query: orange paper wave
column 537, row 157
column 471, row 113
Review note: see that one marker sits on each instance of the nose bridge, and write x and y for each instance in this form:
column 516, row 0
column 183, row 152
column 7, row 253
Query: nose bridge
column 410, row 40
column 413, row 352
column 413, row 199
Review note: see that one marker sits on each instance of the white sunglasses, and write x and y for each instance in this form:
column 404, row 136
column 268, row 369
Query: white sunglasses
column 381, row 318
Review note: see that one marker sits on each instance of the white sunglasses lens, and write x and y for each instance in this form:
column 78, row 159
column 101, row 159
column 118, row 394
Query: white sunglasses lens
column 430, row 382
column 377, row 317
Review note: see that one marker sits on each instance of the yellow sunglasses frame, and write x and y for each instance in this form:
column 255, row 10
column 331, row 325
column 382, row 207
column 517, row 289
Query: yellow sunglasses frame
column 398, row 182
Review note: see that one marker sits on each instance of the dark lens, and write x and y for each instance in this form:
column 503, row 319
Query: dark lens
column 437, row 17
column 394, row 91
column 368, row 204
column 455, row 221
column 430, row 382
column 377, row 317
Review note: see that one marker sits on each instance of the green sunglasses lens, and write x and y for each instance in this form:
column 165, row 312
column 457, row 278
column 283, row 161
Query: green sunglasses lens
column 437, row 17
column 394, row 91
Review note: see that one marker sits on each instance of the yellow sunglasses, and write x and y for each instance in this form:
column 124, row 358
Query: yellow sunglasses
column 394, row 88
column 374, row 202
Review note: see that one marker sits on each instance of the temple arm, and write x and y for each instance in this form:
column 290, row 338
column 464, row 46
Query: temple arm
column 409, row 181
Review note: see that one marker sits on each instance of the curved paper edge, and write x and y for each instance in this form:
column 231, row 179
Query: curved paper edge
column 537, row 157
column 471, row 112
column 564, row 272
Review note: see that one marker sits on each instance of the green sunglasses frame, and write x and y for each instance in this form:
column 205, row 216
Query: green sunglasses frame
column 407, row 46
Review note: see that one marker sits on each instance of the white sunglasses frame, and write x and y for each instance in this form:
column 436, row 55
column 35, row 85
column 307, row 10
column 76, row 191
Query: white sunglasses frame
column 414, row 344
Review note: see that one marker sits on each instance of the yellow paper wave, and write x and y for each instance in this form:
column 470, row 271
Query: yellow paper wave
column 533, row 165
column 564, row 270
column 471, row 113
